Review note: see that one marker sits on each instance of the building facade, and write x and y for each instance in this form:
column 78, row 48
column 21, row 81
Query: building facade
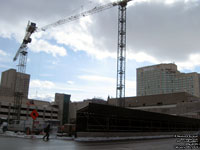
column 165, row 78
column 12, row 81
column 62, row 101
column 179, row 104
column 45, row 110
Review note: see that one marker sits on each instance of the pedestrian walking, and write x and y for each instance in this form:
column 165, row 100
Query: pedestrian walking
column 46, row 130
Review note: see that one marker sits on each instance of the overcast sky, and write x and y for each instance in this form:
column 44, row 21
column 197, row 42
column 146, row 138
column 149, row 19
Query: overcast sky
column 79, row 58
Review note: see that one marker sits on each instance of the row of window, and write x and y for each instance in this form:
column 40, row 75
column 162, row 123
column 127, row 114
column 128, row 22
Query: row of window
column 25, row 115
column 28, row 109
column 143, row 93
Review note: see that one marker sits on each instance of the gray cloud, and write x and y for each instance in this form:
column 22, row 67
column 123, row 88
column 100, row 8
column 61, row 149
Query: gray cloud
column 15, row 14
column 38, row 10
column 167, row 32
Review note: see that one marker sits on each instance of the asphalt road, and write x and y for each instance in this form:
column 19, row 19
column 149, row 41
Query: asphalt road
column 11, row 143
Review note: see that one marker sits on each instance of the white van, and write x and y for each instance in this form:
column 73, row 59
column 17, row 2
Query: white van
column 27, row 126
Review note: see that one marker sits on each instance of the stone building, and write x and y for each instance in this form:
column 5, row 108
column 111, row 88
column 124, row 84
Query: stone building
column 181, row 104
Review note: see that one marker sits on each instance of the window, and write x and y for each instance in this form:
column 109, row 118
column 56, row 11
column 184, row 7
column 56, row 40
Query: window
column 159, row 103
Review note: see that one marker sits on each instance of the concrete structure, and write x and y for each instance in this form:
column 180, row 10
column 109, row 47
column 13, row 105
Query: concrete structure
column 181, row 104
column 48, row 111
column 157, row 100
column 45, row 110
column 57, row 111
column 12, row 81
column 165, row 78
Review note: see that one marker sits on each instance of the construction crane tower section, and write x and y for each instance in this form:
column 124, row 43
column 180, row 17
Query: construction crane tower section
column 121, row 54
column 22, row 54
column 22, row 51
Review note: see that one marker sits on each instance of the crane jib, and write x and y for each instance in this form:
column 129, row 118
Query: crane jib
column 84, row 14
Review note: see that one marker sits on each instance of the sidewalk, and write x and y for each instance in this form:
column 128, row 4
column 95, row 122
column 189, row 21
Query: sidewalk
column 23, row 135
column 84, row 139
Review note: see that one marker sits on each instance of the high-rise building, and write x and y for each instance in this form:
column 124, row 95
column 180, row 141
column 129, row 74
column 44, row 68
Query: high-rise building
column 15, row 82
column 165, row 78
column 63, row 102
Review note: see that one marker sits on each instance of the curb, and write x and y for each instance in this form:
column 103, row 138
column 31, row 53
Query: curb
column 96, row 139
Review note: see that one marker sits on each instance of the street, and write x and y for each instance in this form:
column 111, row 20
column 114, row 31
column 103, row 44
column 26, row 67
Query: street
column 11, row 143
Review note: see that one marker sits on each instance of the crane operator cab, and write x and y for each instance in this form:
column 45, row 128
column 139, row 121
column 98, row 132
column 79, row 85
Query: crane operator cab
column 31, row 27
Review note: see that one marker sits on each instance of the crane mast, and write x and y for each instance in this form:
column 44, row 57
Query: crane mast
column 22, row 54
column 22, row 51
column 21, row 67
column 121, row 54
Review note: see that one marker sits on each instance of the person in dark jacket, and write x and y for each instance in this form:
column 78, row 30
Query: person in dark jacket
column 46, row 130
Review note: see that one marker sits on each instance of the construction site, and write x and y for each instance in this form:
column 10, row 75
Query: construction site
column 164, row 112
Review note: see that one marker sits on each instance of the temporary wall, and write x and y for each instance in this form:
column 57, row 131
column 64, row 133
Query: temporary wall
column 106, row 118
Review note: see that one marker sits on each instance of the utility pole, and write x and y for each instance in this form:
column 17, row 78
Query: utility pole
column 121, row 54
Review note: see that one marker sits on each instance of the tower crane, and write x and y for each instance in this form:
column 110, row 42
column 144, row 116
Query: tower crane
column 22, row 51
column 22, row 54
column 121, row 47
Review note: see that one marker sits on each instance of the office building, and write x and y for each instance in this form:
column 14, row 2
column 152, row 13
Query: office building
column 165, row 78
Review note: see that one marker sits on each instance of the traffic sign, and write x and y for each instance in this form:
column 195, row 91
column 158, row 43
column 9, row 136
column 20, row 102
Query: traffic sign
column 34, row 114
